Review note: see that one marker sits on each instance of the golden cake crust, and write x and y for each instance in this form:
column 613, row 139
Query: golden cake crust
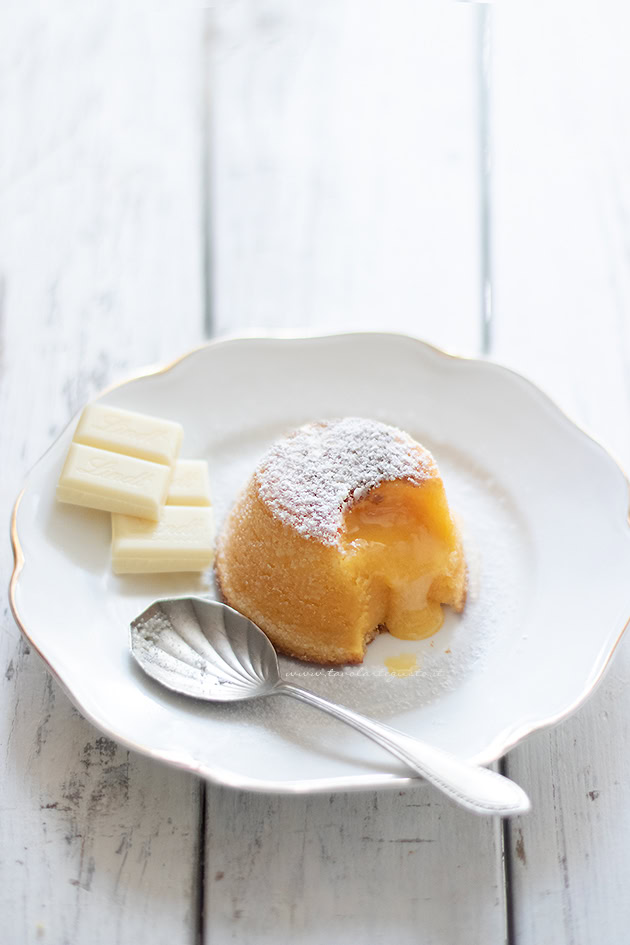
column 281, row 558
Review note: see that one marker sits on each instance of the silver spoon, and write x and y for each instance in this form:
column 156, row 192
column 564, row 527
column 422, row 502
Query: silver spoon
column 205, row 649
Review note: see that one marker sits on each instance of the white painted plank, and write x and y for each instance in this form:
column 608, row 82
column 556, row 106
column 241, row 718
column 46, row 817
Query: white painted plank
column 562, row 205
column 344, row 168
column 405, row 867
column 344, row 183
column 101, row 273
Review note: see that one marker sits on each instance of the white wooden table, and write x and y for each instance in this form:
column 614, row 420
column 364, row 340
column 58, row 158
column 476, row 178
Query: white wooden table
column 456, row 171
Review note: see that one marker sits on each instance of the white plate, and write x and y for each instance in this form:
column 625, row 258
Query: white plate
column 544, row 514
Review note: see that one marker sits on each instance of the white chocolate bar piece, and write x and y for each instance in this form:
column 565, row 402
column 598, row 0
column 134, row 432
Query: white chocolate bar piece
column 113, row 482
column 182, row 540
column 190, row 484
column 134, row 434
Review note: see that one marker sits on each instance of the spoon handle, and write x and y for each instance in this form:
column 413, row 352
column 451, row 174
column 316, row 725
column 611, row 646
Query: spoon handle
column 475, row 788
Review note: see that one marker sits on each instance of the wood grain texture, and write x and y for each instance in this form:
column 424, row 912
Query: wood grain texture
column 100, row 274
column 344, row 168
column 561, row 241
column 344, row 185
column 400, row 866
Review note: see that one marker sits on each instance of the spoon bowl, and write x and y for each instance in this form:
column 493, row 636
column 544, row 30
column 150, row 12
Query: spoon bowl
column 204, row 649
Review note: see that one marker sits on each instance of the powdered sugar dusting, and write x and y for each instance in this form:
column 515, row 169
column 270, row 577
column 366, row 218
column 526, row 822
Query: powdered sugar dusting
column 311, row 476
